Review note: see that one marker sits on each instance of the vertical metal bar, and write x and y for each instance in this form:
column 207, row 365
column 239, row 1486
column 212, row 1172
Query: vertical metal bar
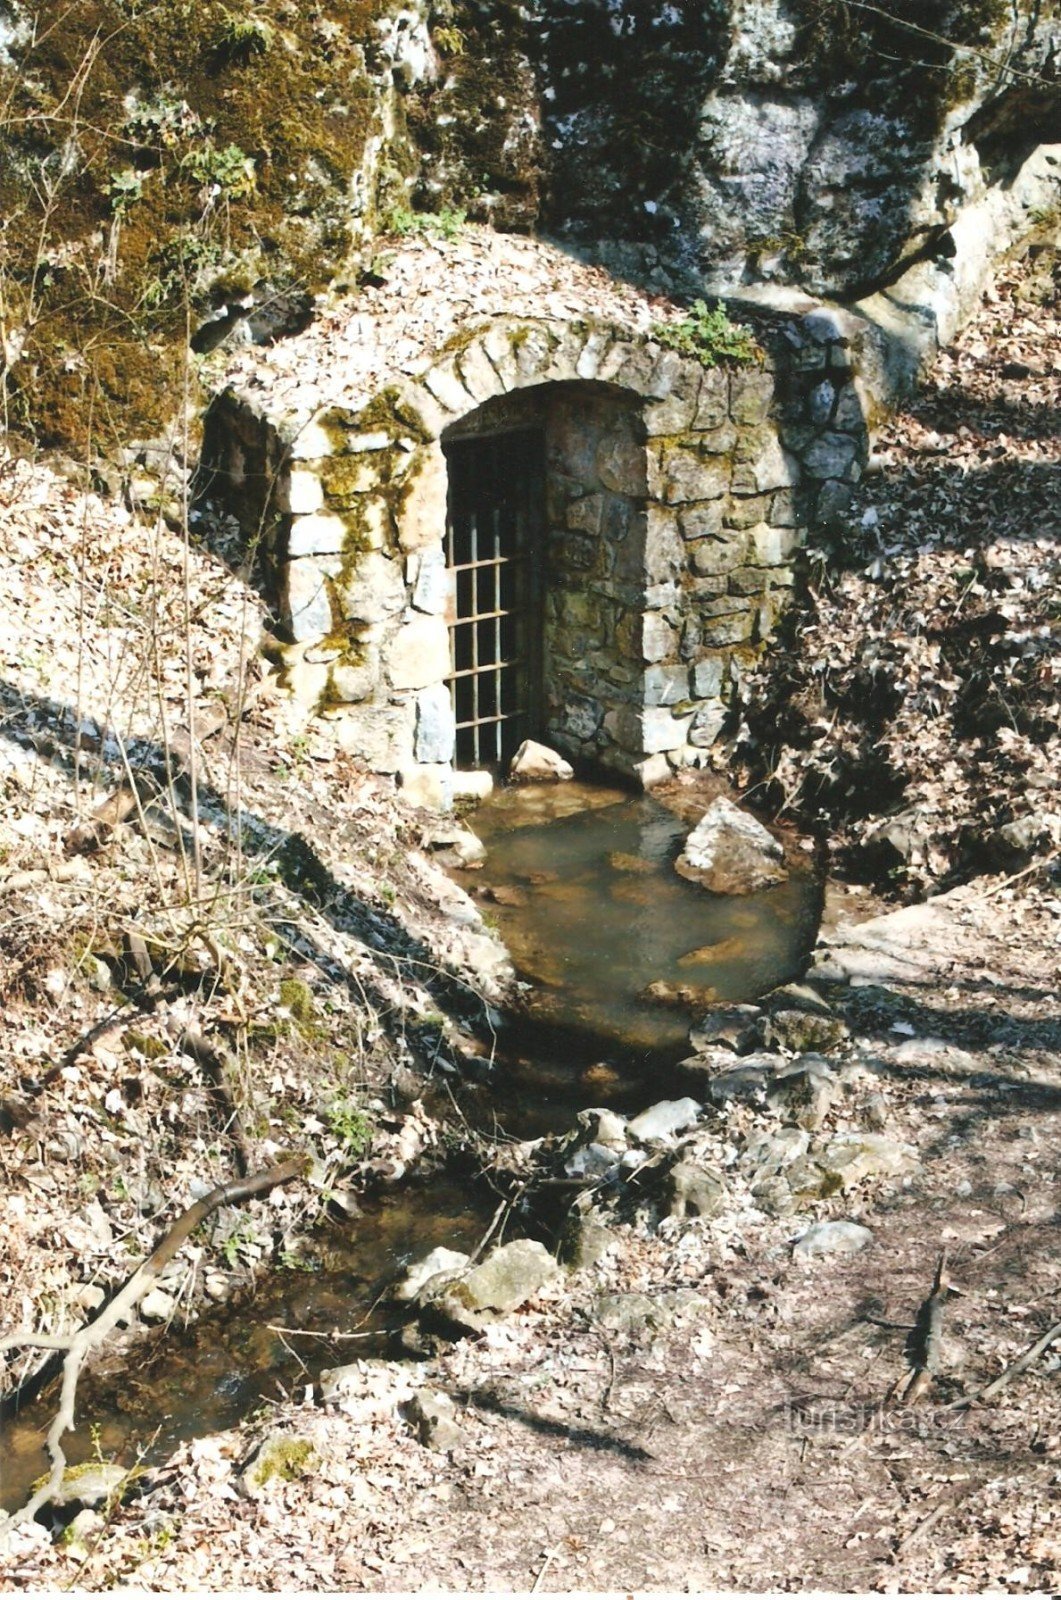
column 496, row 608
column 473, row 531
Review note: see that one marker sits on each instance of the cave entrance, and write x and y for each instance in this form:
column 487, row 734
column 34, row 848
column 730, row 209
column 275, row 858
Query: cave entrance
column 495, row 529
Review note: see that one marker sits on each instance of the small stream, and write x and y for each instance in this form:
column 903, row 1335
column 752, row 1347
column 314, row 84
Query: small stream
column 579, row 880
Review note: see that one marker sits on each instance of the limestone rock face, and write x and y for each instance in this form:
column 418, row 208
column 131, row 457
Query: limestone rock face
column 758, row 140
column 729, row 852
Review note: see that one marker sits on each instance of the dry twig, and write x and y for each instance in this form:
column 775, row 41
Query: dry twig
column 78, row 1346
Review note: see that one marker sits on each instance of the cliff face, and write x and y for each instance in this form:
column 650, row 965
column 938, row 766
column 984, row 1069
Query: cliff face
column 816, row 142
column 191, row 168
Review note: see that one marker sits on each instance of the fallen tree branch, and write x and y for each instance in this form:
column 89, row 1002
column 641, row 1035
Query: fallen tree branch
column 79, row 1345
column 1014, row 1370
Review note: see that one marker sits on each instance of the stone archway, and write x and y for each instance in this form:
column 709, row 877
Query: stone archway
column 670, row 525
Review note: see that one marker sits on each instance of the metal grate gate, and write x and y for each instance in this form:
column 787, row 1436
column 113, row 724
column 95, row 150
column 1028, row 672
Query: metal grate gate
column 494, row 533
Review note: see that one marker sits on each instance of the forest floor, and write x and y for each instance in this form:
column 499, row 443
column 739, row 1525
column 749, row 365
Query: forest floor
column 703, row 1407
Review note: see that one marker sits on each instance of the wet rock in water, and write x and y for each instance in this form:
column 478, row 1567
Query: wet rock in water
column 735, row 1027
column 536, row 763
column 620, row 861
column 433, row 1415
column 683, row 996
column 503, row 894
column 804, row 1090
column 90, row 1484
column 729, row 852
column 367, row 1391
column 768, row 1154
column 280, row 1458
column 454, row 845
column 802, row 1031
column 440, row 1261
column 850, row 1157
column 735, row 948
column 696, row 1190
column 832, row 1238
column 663, row 1120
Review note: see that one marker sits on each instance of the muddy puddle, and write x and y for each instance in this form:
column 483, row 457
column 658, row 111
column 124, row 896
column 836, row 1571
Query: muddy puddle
column 580, row 882
column 618, row 955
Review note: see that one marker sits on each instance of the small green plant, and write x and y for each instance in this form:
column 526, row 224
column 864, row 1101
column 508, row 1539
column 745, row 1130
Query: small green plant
column 709, row 337
column 350, row 1126
column 444, row 224
column 242, row 1245
column 450, row 41
column 242, row 37
column 226, row 168
column 297, row 998
column 126, row 188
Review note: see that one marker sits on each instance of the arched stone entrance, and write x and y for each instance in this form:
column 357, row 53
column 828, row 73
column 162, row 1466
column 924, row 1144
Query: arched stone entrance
column 667, row 524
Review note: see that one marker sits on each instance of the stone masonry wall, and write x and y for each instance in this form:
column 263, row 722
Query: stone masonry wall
column 677, row 498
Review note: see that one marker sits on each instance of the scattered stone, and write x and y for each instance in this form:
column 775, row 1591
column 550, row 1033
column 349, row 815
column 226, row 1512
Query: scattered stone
column 367, row 1391
column 729, row 852
column 157, row 1306
column 475, row 786
column 433, row 1415
column 280, row 1458
column 768, row 1154
column 509, row 1277
column 603, row 1126
column 804, row 1090
column 632, row 1313
column 696, row 1190
column 832, row 1238
column 591, row 1161
column 455, row 845
column 80, row 1538
column 733, row 1026
column 89, row 1296
column 850, row 1157
column 799, row 997
column 875, row 1113
column 746, row 1082
column 584, row 1240
column 90, row 1484
column 439, row 1261
column 801, row 1031
column 536, row 763
column 775, row 1197
column 663, row 1120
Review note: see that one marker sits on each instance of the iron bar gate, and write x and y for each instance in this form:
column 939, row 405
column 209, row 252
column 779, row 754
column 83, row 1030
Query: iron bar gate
column 494, row 540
